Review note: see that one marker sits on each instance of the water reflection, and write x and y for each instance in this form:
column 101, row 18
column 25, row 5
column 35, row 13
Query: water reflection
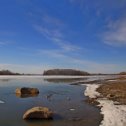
column 64, row 80
column 26, row 95
column 62, row 123
column 5, row 80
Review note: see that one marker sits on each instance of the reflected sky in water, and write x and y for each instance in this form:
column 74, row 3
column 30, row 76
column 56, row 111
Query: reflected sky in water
column 65, row 100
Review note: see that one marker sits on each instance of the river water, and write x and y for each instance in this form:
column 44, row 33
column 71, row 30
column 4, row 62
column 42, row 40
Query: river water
column 65, row 100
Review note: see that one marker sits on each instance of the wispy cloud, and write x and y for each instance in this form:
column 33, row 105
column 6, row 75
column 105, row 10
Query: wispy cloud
column 47, row 32
column 93, row 66
column 77, row 63
column 53, row 29
column 65, row 45
column 5, row 43
column 57, row 37
column 52, row 53
column 100, row 4
column 116, row 33
column 99, row 7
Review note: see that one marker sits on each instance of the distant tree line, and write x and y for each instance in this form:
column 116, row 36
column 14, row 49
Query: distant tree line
column 7, row 72
column 65, row 72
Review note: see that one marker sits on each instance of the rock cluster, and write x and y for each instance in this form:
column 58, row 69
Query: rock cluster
column 37, row 112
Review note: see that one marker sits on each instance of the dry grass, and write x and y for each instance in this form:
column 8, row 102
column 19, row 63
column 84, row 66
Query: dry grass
column 114, row 90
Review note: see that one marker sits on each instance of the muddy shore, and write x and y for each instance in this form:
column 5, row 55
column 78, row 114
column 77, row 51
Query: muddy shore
column 110, row 96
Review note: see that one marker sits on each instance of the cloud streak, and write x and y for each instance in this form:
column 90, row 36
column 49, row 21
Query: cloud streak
column 116, row 33
column 4, row 43
column 48, row 33
column 100, row 5
column 55, row 34
column 77, row 63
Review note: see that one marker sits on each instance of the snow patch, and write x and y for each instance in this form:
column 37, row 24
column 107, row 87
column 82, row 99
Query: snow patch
column 91, row 90
column 113, row 115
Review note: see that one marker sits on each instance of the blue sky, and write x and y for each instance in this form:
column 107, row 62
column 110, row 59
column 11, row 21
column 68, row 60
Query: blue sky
column 41, row 34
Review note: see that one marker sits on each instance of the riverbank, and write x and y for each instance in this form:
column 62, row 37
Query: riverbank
column 110, row 96
column 114, row 90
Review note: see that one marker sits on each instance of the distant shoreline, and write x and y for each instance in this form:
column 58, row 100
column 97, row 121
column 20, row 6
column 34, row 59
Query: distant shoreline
column 38, row 76
column 58, row 72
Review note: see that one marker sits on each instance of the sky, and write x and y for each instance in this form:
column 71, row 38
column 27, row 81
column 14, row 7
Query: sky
column 89, row 35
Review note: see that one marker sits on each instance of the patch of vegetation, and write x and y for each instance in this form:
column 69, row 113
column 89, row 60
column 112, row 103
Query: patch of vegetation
column 7, row 72
column 122, row 73
column 115, row 91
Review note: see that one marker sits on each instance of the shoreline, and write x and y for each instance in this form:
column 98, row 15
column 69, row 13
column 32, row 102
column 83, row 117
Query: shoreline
column 38, row 76
column 113, row 111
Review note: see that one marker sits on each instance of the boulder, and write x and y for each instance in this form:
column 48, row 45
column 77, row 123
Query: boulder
column 25, row 95
column 41, row 113
column 26, row 91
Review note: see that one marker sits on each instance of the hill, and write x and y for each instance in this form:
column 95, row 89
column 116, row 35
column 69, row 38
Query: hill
column 7, row 72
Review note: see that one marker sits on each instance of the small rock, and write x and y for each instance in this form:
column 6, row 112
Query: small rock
column 26, row 90
column 38, row 113
column 110, row 96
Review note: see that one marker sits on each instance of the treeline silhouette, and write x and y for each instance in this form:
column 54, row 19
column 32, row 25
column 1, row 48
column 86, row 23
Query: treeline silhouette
column 122, row 73
column 7, row 72
column 65, row 72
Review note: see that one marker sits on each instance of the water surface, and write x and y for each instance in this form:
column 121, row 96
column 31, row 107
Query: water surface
column 65, row 100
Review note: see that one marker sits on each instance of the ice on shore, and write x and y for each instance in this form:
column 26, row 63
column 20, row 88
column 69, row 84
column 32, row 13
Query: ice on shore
column 113, row 115
column 91, row 90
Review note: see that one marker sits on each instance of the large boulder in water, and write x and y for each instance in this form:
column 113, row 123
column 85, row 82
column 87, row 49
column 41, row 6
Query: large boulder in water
column 26, row 95
column 41, row 113
column 25, row 91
